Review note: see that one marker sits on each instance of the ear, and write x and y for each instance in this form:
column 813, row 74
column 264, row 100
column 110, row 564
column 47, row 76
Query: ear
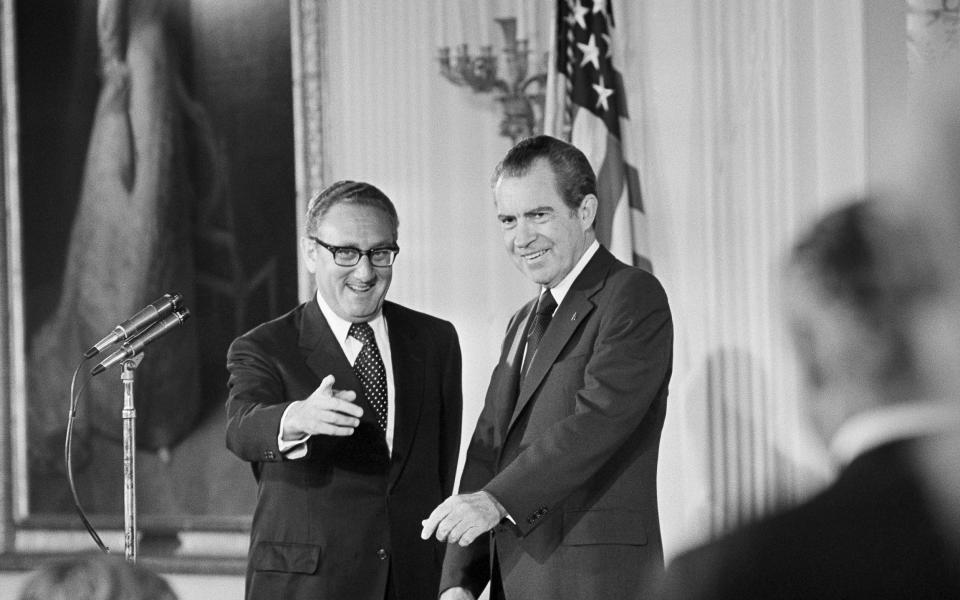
column 309, row 251
column 588, row 211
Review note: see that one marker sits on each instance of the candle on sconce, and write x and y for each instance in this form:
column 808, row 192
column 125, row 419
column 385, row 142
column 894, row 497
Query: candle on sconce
column 484, row 17
column 441, row 12
column 521, row 9
column 532, row 28
column 456, row 22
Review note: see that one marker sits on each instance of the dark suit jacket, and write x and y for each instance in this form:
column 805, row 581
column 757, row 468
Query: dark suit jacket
column 572, row 452
column 869, row 535
column 331, row 525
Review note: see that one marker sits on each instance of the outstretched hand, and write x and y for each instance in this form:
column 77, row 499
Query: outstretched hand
column 326, row 411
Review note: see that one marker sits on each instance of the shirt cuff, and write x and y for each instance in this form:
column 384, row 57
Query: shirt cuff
column 291, row 449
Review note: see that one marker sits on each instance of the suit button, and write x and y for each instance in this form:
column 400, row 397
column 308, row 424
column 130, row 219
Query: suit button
column 268, row 454
column 382, row 554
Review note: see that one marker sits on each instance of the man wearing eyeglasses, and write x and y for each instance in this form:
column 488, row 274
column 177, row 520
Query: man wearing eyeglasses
column 348, row 409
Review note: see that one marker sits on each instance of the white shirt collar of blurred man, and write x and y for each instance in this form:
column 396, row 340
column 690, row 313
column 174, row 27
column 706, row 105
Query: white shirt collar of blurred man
column 910, row 419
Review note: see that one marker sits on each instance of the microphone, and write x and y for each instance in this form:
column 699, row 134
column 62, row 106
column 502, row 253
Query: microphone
column 153, row 312
column 133, row 347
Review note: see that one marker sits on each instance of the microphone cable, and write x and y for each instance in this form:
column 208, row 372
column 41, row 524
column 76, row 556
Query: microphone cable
column 68, row 455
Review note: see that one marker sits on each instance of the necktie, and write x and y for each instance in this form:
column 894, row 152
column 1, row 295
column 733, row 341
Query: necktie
column 370, row 371
column 545, row 307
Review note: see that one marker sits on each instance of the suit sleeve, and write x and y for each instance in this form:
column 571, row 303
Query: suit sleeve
column 255, row 402
column 627, row 371
column 451, row 420
column 469, row 566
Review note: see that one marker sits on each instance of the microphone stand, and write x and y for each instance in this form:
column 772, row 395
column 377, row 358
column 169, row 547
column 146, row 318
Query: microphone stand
column 129, row 416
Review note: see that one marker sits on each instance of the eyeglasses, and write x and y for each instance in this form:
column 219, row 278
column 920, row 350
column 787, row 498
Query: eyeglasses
column 346, row 256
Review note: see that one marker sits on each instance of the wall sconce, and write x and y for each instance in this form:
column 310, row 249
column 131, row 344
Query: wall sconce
column 522, row 95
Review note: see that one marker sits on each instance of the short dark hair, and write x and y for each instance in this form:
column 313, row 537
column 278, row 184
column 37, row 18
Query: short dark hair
column 839, row 254
column 574, row 176
column 351, row 192
column 860, row 257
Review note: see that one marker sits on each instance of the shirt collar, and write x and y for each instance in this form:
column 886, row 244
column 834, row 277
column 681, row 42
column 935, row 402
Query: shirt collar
column 560, row 290
column 340, row 326
column 870, row 429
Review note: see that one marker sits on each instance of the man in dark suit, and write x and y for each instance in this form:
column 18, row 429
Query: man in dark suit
column 559, row 494
column 348, row 409
column 872, row 533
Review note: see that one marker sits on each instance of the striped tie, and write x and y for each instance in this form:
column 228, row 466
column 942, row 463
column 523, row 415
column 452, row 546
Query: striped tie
column 541, row 319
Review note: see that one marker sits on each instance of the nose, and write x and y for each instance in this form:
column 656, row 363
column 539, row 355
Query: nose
column 523, row 234
column 364, row 269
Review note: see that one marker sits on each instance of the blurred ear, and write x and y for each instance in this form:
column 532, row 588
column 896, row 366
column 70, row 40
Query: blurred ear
column 309, row 250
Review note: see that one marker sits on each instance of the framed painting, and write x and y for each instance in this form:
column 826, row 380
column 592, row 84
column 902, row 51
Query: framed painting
column 149, row 149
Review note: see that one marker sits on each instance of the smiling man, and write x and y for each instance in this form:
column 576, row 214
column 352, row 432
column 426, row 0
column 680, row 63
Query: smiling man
column 558, row 497
column 348, row 409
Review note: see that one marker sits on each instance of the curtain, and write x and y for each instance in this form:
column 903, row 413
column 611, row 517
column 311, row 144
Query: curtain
column 753, row 116
column 751, row 120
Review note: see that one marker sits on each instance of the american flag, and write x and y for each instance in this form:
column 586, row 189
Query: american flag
column 586, row 106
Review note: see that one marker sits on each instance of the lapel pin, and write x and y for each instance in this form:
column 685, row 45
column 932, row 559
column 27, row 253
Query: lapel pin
column 574, row 317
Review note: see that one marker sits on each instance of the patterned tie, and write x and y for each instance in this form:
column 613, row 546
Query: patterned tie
column 370, row 371
column 545, row 307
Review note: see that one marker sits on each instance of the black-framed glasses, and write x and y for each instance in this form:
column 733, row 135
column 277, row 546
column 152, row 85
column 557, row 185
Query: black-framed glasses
column 347, row 256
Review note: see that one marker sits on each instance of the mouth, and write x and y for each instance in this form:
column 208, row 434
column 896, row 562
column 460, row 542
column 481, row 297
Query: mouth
column 532, row 256
column 359, row 287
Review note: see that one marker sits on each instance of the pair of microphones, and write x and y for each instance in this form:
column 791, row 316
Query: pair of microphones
column 151, row 323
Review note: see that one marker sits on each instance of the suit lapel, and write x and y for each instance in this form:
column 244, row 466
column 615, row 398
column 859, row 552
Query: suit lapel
column 574, row 309
column 408, row 378
column 512, row 359
column 323, row 353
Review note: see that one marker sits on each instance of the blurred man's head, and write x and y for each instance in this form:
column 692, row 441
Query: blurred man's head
column 845, row 314
column 95, row 577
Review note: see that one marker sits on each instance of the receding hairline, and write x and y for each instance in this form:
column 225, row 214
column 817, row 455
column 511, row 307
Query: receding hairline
column 352, row 193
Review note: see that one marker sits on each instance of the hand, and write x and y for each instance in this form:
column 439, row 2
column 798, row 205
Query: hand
column 457, row 593
column 463, row 518
column 325, row 412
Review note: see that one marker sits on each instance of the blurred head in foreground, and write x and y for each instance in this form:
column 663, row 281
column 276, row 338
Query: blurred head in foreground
column 95, row 577
column 845, row 297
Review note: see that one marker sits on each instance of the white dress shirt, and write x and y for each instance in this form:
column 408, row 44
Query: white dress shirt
column 351, row 346
column 560, row 290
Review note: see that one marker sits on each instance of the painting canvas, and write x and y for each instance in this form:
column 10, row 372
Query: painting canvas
column 156, row 156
